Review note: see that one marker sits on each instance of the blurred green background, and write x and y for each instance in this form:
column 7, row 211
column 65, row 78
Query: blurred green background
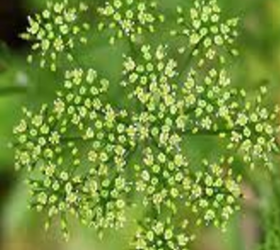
column 258, row 64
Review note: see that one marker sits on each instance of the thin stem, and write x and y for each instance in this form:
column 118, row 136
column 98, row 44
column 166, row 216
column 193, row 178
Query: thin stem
column 73, row 139
column 189, row 57
column 132, row 46
column 12, row 90
column 208, row 132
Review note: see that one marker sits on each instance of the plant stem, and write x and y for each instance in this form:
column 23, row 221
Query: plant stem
column 208, row 132
column 187, row 60
column 12, row 90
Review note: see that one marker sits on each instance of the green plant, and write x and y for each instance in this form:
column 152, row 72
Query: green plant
column 88, row 157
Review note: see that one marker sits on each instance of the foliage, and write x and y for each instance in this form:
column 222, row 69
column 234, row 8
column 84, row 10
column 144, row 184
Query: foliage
column 271, row 219
column 89, row 158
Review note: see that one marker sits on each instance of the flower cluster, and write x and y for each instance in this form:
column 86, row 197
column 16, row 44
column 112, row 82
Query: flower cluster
column 150, row 77
column 151, row 80
column 55, row 32
column 129, row 18
column 206, row 32
column 212, row 100
column 214, row 194
column 219, row 108
column 55, row 160
column 160, row 179
column 86, row 157
column 157, row 234
column 254, row 133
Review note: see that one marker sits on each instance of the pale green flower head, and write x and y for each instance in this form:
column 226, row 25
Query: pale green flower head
column 92, row 159
column 150, row 78
column 208, row 33
column 255, row 131
column 214, row 194
column 78, row 129
column 156, row 234
column 55, row 32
